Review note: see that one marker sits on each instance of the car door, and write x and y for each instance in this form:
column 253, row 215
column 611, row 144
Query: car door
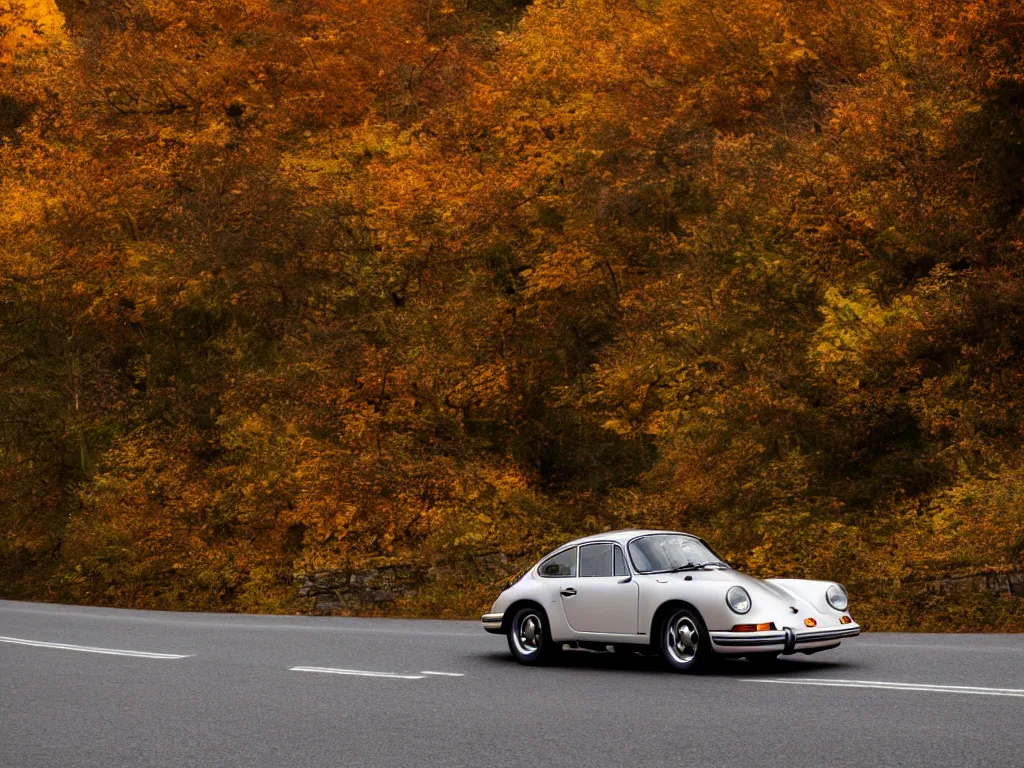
column 603, row 598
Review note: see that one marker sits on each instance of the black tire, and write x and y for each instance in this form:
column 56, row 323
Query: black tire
column 529, row 637
column 684, row 641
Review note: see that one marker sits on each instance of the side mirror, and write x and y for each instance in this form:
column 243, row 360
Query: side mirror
column 626, row 580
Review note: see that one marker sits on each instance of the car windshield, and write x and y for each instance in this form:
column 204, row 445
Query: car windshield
column 670, row 552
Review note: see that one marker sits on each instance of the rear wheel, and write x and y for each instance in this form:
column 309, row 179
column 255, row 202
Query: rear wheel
column 685, row 642
column 529, row 637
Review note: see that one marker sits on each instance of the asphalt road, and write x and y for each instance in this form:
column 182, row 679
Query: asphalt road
column 225, row 693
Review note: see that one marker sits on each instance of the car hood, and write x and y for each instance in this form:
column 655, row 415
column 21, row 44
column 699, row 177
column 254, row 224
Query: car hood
column 763, row 594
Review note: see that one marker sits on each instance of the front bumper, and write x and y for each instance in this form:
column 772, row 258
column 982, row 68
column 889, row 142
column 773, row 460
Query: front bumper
column 787, row 640
column 492, row 622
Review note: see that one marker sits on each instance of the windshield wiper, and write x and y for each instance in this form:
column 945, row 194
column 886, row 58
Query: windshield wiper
column 696, row 567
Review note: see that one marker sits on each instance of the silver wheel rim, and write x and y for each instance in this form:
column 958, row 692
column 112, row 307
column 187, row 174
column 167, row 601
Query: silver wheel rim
column 528, row 634
column 681, row 639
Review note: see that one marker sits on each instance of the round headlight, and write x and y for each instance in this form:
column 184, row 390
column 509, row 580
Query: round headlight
column 836, row 597
column 738, row 599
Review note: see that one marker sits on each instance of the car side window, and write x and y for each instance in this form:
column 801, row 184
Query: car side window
column 620, row 563
column 597, row 560
column 562, row 565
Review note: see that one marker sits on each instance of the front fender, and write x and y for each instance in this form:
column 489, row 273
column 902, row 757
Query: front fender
column 706, row 591
column 810, row 591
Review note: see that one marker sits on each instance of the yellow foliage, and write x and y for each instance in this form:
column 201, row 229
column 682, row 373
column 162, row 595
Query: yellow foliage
column 344, row 283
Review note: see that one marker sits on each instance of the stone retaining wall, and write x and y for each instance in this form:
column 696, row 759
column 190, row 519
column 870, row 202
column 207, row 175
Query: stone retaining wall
column 341, row 591
column 996, row 583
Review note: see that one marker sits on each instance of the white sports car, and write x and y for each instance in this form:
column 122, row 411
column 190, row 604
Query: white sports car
column 663, row 591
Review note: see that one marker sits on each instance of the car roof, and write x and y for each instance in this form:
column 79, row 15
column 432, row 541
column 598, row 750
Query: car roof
column 621, row 536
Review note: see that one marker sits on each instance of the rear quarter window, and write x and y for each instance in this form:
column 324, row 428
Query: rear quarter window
column 560, row 566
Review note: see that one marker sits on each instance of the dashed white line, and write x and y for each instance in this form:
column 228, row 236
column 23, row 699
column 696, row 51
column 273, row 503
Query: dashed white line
column 355, row 672
column 891, row 686
column 443, row 674
column 88, row 649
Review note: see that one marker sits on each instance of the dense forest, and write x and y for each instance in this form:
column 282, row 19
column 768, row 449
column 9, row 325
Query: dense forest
column 301, row 285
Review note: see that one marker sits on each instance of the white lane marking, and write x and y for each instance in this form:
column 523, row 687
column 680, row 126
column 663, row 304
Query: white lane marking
column 87, row 649
column 355, row 672
column 443, row 674
column 892, row 686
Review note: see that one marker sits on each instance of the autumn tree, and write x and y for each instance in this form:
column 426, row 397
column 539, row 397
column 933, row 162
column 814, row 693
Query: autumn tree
column 314, row 286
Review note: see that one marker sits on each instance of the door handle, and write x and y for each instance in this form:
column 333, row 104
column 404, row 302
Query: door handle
column 568, row 592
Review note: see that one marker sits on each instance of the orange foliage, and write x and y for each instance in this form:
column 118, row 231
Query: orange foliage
column 299, row 287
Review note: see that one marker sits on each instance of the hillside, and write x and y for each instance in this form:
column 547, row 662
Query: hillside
column 335, row 285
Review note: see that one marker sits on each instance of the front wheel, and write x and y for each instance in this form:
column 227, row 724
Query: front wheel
column 685, row 642
column 529, row 637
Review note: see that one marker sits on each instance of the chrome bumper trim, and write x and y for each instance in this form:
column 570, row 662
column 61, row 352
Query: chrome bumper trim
column 730, row 639
column 829, row 634
column 775, row 640
column 492, row 622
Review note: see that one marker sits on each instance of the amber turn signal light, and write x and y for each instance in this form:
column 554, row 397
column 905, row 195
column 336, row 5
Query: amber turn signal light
column 753, row 627
column 845, row 620
column 810, row 622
